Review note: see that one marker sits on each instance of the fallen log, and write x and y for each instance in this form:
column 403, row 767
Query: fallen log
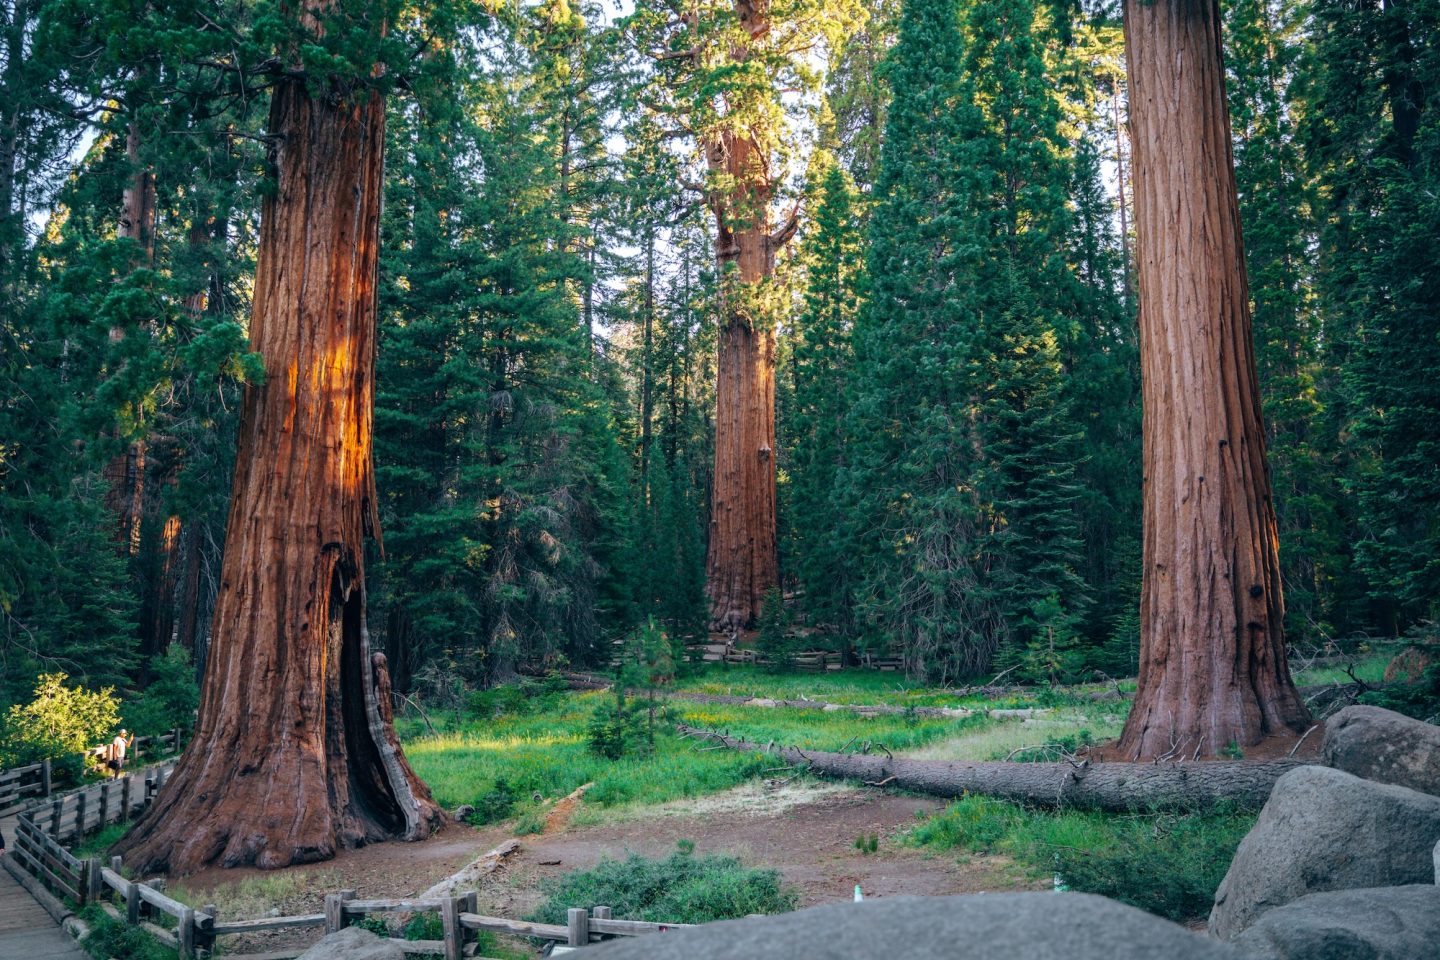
column 1180, row 785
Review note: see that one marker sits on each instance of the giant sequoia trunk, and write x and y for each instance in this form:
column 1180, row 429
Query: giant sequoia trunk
column 1212, row 660
column 742, row 563
column 294, row 755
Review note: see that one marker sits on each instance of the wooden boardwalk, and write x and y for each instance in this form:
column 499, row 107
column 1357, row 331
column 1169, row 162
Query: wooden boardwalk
column 27, row 932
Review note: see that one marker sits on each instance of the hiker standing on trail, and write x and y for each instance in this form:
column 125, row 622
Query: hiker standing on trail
column 118, row 746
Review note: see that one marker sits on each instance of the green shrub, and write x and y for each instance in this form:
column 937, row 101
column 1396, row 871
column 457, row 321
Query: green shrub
column 507, row 699
column 425, row 926
column 61, row 721
column 973, row 823
column 523, row 699
column 618, row 728
column 375, row 925
column 495, row 805
column 681, row 888
column 774, row 642
column 110, row 938
column 1420, row 700
column 1166, row 864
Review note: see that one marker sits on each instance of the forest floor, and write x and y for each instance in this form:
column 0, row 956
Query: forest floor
column 807, row 831
column 722, row 802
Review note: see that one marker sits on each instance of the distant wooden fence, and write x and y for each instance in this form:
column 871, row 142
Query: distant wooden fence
column 19, row 786
column 52, row 872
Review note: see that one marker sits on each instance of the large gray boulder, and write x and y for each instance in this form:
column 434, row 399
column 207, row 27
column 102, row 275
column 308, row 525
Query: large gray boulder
column 987, row 926
column 1385, row 746
column 354, row 943
column 1384, row 923
column 1324, row 829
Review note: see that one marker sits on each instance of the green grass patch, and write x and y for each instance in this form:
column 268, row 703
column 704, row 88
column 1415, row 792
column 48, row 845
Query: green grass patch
column 110, row 938
column 681, row 888
column 548, row 753
column 1166, row 864
column 860, row 686
column 1370, row 669
column 96, row 844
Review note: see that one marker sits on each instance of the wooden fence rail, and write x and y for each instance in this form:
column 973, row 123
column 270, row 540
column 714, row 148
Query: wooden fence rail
column 45, row 826
column 19, row 784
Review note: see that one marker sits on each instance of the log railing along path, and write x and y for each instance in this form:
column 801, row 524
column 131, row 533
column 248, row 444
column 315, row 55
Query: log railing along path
column 43, row 882
column 26, row 929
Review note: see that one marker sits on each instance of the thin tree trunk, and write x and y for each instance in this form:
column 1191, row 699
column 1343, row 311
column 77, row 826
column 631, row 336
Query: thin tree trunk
column 12, row 221
column 1092, row 786
column 1212, row 662
column 162, row 583
column 647, row 366
column 294, row 756
column 188, row 617
column 125, row 473
column 1126, row 295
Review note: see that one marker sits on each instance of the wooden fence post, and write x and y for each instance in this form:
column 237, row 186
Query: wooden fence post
column 132, row 903
column 454, row 934
column 146, row 910
column 80, row 804
column 96, row 889
column 104, row 804
column 185, row 934
column 57, row 807
column 205, row 932
column 45, row 778
column 469, row 903
column 125, row 800
column 335, row 910
column 577, row 927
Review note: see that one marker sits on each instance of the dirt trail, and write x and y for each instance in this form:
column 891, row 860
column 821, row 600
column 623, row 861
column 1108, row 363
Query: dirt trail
column 807, row 832
column 812, row 844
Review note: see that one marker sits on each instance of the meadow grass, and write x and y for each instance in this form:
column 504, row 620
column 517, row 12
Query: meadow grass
column 548, row 752
column 838, row 686
column 859, row 686
column 1370, row 669
column 1069, row 728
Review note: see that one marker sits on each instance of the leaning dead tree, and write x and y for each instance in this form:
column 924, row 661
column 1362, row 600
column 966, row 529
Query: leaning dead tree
column 1173, row 783
column 295, row 756
column 1212, row 636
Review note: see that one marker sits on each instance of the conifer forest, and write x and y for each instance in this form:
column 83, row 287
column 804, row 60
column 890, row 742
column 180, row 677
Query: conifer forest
column 366, row 355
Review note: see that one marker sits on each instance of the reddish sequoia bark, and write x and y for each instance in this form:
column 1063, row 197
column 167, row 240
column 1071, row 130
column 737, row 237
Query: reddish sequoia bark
column 1212, row 659
column 742, row 563
column 125, row 473
column 294, row 757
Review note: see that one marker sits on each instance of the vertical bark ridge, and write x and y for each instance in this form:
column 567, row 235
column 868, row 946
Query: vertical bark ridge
column 1213, row 671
